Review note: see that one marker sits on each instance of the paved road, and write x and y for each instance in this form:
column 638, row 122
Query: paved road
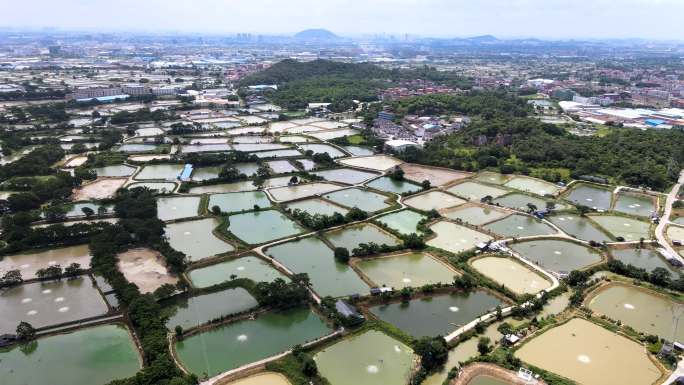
column 665, row 220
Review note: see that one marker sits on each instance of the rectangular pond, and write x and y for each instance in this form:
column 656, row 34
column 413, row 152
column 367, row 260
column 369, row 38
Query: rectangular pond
column 315, row 206
column 271, row 225
column 580, row 228
column 635, row 204
column 590, row 355
column 205, row 173
column 388, row 184
column 534, row 186
column 433, row 200
column 588, row 195
column 93, row 356
column 299, row 191
column 195, row 311
column 115, row 170
column 367, row 201
column 520, row 202
column 224, row 188
column 351, row 237
column 249, row 267
column 627, row 228
column 312, row 256
column 375, row 162
column 647, row 259
column 346, row 175
column 643, row 310
column 404, row 221
column 170, row 208
column 239, row 201
column 518, row 225
column 438, row 315
column 512, row 274
column 455, row 238
column 213, row 352
column 50, row 303
column 557, row 255
column 196, row 238
column 322, row 149
column 475, row 191
column 160, row 171
column 370, row 358
column 30, row 262
column 406, row 270
column 474, row 215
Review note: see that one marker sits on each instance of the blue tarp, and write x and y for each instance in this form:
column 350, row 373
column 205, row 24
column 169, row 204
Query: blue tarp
column 185, row 174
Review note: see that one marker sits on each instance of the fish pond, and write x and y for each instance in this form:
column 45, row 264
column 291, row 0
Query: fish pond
column 196, row 238
column 239, row 201
column 557, row 255
column 627, row 228
column 213, row 352
column 580, row 228
column 439, row 315
column 597, row 198
column 590, row 355
column 346, row 175
column 196, row 311
column 92, row 356
column 475, row 191
column 354, row 197
column 404, row 221
column 635, row 204
column 643, row 310
column 352, row 236
column 271, row 225
column 455, row 238
column 249, row 267
column 171, row 208
column 406, row 270
column 433, row 200
column 474, row 215
column 370, row 358
column 388, row 184
column 514, row 275
column 328, row 276
column 50, row 303
column 160, row 171
column 517, row 225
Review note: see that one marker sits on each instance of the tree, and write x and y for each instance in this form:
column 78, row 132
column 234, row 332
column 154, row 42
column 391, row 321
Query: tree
column 294, row 179
column 23, row 201
column 11, row 278
column 583, row 210
column 179, row 331
column 50, row 272
column 164, row 291
column 505, row 328
column 73, row 270
column 87, row 211
column 483, row 346
column 55, row 213
column 342, row 255
column 396, row 174
column 531, row 207
column 25, row 332
column 433, row 352
column 216, row 210
column 425, row 184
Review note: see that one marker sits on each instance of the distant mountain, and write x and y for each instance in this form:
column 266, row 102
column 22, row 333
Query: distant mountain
column 483, row 39
column 316, row 34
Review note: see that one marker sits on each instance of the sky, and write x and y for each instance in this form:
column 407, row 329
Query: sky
column 557, row 19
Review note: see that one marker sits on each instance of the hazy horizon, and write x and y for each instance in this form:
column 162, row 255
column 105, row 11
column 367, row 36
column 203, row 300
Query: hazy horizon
column 550, row 19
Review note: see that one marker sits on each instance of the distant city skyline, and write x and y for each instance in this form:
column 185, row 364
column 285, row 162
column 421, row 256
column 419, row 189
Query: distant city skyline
column 549, row 19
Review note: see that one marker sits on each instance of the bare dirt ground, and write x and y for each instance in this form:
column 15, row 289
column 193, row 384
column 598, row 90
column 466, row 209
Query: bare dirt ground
column 436, row 175
column 146, row 268
column 101, row 188
column 481, row 369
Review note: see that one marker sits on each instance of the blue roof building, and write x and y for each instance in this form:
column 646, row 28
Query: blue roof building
column 185, row 174
column 654, row 122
